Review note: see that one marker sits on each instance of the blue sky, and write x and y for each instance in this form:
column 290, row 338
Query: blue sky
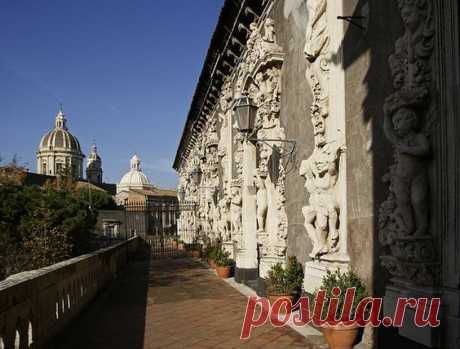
column 124, row 70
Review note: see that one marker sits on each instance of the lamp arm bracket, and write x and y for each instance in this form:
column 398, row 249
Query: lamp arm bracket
column 266, row 141
column 350, row 19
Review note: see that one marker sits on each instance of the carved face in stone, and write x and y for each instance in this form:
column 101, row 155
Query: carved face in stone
column 412, row 16
column 404, row 122
column 320, row 140
column 223, row 104
column 319, row 126
column 321, row 164
column 235, row 191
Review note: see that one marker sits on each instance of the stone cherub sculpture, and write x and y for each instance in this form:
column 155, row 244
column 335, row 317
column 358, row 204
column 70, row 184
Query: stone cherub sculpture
column 262, row 203
column 269, row 30
column 322, row 213
column 408, row 178
column 236, row 208
column 224, row 222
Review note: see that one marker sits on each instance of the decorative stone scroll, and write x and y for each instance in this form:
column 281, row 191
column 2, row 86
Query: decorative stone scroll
column 409, row 253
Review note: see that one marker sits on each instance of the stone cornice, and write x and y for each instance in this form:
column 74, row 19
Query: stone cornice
column 227, row 44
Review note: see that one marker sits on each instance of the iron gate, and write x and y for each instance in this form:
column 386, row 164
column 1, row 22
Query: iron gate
column 166, row 227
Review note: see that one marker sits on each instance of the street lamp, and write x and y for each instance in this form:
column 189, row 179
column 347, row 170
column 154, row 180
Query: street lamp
column 196, row 175
column 245, row 112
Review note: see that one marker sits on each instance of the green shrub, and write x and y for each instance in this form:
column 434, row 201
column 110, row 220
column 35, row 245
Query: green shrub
column 343, row 281
column 222, row 258
column 212, row 249
column 284, row 280
column 294, row 273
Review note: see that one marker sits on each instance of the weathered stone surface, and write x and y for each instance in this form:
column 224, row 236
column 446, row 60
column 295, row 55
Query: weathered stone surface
column 36, row 305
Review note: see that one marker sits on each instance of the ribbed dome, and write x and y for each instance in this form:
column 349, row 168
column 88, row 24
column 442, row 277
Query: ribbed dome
column 60, row 138
column 134, row 179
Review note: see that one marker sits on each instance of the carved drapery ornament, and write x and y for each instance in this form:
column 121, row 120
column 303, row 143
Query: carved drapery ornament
column 409, row 253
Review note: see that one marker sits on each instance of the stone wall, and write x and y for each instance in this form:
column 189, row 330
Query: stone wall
column 294, row 116
column 372, row 106
column 36, row 305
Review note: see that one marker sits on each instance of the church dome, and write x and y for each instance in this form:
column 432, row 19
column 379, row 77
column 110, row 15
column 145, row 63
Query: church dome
column 60, row 138
column 59, row 150
column 135, row 178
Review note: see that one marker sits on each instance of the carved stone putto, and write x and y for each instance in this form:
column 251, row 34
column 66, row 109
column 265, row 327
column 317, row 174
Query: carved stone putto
column 236, row 211
column 409, row 253
column 322, row 213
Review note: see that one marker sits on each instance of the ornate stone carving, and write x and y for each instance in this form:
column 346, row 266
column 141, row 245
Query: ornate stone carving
column 224, row 225
column 238, row 157
column 409, row 253
column 322, row 213
column 321, row 168
column 260, row 78
column 236, row 211
column 317, row 52
column 262, row 203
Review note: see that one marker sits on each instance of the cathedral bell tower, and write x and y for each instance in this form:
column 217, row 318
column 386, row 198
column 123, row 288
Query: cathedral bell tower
column 94, row 166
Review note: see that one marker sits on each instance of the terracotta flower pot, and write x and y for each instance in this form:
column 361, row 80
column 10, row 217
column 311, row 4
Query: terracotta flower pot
column 224, row 272
column 340, row 337
column 196, row 253
column 274, row 297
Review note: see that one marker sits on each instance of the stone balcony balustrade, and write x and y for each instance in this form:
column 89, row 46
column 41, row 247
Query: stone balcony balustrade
column 36, row 305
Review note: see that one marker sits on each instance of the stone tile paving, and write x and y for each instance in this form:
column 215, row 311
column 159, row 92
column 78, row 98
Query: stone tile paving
column 172, row 303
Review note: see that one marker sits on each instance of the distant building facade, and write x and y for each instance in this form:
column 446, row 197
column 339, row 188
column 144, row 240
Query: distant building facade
column 149, row 210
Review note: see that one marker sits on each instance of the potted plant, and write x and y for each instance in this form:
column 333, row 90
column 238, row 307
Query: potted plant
column 207, row 253
column 211, row 253
column 341, row 336
column 224, row 264
column 282, row 282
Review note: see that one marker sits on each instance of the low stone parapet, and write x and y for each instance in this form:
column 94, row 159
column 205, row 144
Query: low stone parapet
column 36, row 305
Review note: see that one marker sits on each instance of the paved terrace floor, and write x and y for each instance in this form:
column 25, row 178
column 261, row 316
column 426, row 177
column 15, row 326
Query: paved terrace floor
column 172, row 303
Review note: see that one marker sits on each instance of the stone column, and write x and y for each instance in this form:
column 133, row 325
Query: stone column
column 246, row 257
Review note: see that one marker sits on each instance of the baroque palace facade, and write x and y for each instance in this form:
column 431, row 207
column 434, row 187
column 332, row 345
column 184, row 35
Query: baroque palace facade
column 328, row 130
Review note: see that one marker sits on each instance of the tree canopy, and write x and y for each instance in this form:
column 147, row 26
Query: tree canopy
column 43, row 225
